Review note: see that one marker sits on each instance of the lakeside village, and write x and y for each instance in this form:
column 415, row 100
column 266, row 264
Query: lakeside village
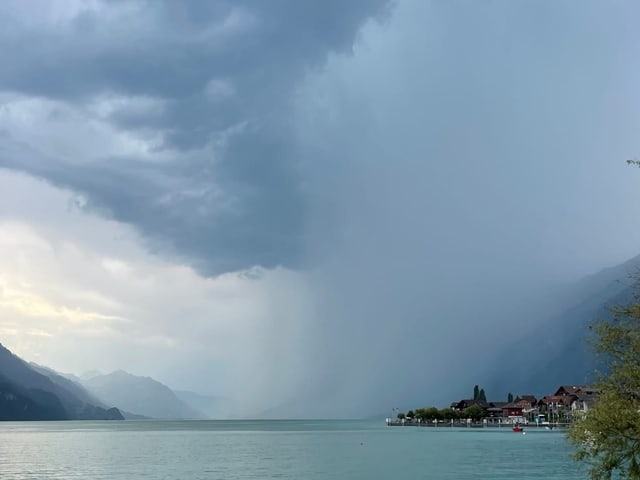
column 557, row 410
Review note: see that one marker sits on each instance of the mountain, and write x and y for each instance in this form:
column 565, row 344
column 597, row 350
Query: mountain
column 74, row 384
column 210, row 405
column 141, row 396
column 69, row 383
column 558, row 350
column 17, row 403
column 30, row 392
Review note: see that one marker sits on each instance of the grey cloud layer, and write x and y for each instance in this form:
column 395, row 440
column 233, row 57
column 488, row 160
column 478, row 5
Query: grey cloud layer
column 217, row 79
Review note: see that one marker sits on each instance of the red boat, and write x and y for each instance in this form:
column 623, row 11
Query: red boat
column 517, row 429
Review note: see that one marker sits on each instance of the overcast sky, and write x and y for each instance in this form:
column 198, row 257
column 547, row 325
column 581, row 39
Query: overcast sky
column 310, row 203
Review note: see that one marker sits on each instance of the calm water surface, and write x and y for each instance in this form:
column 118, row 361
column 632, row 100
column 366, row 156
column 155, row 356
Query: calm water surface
column 311, row 450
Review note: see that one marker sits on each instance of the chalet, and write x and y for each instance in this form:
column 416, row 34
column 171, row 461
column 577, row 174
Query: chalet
column 588, row 391
column 582, row 403
column 464, row 404
column 555, row 401
column 571, row 397
column 512, row 410
column 527, row 402
column 564, row 390
column 495, row 409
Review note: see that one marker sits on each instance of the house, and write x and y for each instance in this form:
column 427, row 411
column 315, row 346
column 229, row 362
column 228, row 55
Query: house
column 555, row 401
column 495, row 409
column 588, row 391
column 573, row 398
column 464, row 404
column 527, row 402
column 582, row 403
column 575, row 390
column 512, row 410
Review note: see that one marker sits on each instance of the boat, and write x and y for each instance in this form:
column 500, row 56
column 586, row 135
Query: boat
column 517, row 428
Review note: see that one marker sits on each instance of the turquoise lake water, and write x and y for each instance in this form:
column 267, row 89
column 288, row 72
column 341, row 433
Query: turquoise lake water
column 295, row 449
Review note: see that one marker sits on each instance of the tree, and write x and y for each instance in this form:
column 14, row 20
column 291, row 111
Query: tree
column 481, row 396
column 607, row 437
column 510, row 397
column 410, row 414
column 449, row 414
column 434, row 413
column 476, row 392
column 474, row 412
column 427, row 414
column 401, row 416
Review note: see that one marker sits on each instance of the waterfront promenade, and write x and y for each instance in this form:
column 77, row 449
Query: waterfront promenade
column 469, row 424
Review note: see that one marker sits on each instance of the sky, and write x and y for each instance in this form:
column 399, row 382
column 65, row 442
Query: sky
column 318, row 208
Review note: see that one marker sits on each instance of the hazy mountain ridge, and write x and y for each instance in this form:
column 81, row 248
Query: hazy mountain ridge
column 558, row 350
column 74, row 384
column 141, row 396
column 18, row 403
column 70, row 383
column 29, row 391
column 36, row 393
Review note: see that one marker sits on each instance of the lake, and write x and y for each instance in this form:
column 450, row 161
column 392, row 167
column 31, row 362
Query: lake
column 287, row 449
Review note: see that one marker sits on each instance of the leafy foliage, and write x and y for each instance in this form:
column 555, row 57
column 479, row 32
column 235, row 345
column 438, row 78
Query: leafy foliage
column 428, row 414
column 449, row 414
column 474, row 412
column 607, row 437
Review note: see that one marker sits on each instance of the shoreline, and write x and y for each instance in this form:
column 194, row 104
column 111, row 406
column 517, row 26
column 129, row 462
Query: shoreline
column 493, row 425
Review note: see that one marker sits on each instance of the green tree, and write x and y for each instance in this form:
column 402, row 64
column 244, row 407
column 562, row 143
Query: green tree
column 433, row 414
column 474, row 412
column 428, row 414
column 401, row 416
column 476, row 392
column 607, row 437
column 410, row 414
column 481, row 396
column 510, row 397
column 449, row 414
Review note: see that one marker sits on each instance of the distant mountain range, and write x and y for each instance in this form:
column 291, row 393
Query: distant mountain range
column 141, row 396
column 30, row 392
column 33, row 392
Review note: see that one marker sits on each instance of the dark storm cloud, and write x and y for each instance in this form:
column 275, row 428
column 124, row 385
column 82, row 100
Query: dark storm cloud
column 445, row 180
column 222, row 74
